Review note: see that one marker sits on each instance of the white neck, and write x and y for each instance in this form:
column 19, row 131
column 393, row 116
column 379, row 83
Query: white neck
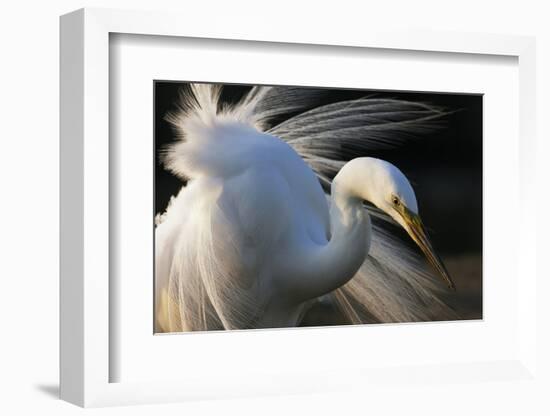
column 336, row 263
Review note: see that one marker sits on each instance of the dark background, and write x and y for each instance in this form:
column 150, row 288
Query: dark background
column 445, row 169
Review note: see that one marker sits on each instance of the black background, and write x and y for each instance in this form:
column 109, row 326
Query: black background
column 445, row 169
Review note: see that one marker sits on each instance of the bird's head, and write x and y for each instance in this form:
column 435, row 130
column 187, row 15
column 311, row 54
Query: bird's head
column 385, row 186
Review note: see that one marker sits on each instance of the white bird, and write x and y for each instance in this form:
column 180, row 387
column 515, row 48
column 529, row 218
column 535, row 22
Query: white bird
column 252, row 240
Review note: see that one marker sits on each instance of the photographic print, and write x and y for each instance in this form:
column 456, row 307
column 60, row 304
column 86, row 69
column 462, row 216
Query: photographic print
column 290, row 206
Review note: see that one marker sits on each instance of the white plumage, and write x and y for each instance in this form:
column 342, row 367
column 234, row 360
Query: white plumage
column 252, row 240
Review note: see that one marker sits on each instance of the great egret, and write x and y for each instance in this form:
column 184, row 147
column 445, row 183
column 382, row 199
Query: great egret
column 251, row 241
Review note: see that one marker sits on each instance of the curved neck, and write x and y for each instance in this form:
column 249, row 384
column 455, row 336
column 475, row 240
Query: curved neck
column 335, row 263
column 318, row 269
column 350, row 228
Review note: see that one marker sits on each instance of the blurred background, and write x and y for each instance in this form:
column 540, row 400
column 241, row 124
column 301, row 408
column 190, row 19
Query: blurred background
column 444, row 167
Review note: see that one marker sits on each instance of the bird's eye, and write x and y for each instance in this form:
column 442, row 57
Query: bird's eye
column 395, row 201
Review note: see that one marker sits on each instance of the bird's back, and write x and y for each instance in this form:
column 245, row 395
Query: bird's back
column 248, row 195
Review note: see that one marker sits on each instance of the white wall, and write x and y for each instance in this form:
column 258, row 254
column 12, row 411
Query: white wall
column 29, row 209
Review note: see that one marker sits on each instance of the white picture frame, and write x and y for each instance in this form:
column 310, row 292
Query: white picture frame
column 85, row 221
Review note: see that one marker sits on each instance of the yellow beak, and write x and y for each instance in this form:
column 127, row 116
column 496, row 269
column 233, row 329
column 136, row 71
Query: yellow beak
column 416, row 230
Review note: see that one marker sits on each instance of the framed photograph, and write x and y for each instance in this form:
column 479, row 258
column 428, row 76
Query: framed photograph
column 238, row 211
column 251, row 206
